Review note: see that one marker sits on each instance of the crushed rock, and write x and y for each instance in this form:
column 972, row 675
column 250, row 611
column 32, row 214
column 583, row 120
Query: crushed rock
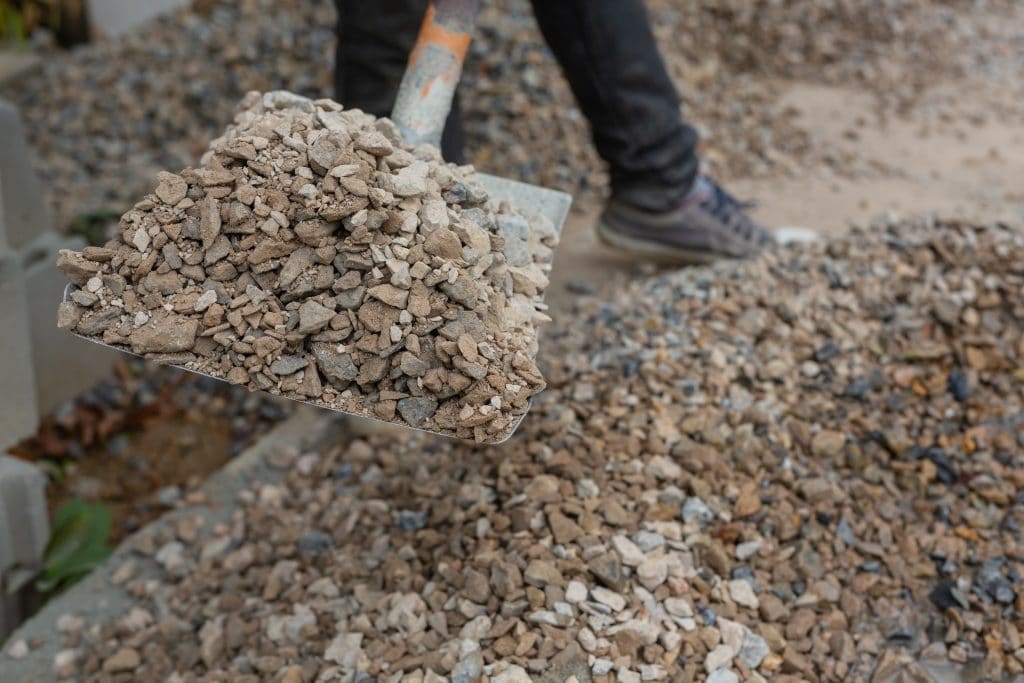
column 271, row 272
column 930, row 488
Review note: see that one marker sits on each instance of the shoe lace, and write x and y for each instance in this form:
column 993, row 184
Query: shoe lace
column 732, row 212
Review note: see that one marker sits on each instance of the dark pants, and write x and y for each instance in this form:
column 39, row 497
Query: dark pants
column 607, row 51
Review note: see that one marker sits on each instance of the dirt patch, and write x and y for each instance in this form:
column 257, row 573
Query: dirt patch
column 140, row 441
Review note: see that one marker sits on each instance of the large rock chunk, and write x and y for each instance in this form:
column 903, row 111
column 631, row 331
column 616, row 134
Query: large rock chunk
column 336, row 366
column 313, row 317
column 166, row 333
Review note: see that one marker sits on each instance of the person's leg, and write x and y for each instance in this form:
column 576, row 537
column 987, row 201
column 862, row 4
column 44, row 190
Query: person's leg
column 373, row 49
column 660, row 206
column 607, row 51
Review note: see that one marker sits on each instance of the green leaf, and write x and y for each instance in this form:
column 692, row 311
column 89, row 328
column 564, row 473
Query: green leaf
column 77, row 567
column 53, row 470
column 77, row 544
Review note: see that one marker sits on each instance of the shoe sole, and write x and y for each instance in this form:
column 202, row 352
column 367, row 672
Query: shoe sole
column 655, row 251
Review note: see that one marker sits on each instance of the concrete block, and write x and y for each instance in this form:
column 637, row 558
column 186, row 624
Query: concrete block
column 19, row 416
column 110, row 18
column 24, row 529
column 64, row 365
column 24, row 213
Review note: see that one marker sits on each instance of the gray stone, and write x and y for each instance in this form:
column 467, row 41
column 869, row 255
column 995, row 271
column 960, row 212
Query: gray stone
column 753, row 650
column 350, row 299
column 464, row 291
column 336, row 366
column 24, row 528
column 313, row 317
column 695, row 510
column 288, row 365
column 416, row 410
column 410, row 181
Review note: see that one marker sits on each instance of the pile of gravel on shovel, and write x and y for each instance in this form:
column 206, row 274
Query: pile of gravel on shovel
column 804, row 467
column 314, row 256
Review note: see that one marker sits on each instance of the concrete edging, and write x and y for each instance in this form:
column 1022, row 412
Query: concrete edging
column 98, row 600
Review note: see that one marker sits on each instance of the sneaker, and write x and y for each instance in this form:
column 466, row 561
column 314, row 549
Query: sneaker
column 709, row 224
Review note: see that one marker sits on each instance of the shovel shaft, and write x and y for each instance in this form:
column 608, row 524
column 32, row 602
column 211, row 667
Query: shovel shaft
column 435, row 65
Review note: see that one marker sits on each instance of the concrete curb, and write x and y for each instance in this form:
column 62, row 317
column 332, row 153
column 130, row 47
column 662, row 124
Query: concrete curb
column 24, row 529
column 98, row 600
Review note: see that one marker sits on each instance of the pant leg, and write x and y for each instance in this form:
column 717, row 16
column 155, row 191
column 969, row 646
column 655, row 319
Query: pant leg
column 374, row 42
column 607, row 51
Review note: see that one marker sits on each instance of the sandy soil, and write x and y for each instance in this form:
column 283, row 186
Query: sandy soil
column 935, row 158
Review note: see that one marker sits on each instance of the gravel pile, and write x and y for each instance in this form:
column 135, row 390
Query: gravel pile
column 804, row 467
column 314, row 256
column 106, row 118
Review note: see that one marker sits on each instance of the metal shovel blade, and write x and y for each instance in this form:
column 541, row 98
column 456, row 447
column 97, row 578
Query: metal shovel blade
column 529, row 200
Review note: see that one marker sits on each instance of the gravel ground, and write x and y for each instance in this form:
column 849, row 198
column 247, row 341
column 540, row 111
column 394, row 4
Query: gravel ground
column 804, row 467
column 106, row 118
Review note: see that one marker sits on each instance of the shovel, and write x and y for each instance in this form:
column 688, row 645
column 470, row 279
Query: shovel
column 425, row 98
column 421, row 109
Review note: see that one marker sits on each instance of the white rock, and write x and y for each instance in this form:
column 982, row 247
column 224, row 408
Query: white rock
column 324, row 587
column 630, row 554
column 476, row 629
column 65, row 659
column 720, row 657
column 587, row 639
column 141, row 240
column 410, row 181
column 652, row 672
column 69, row 623
column 575, row 592
column 742, row 593
column 732, row 634
column 794, row 234
column 608, row 597
column 745, row 551
column 678, row 607
column 586, row 488
column 663, row 468
column 670, row 640
column 722, row 676
column 648, row 541
column 550, row 618
column 205, row 300
column 513, row 674
column 344, row 170
column 17, row 650
column 171, row 556
column 601, row 666
column 434, row 215
column 627, row 676
column 344, row 650
column 753, row 650
column 400, row 276
column 652, row 572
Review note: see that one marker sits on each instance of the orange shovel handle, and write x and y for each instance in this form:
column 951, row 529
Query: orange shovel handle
column 435, row 65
